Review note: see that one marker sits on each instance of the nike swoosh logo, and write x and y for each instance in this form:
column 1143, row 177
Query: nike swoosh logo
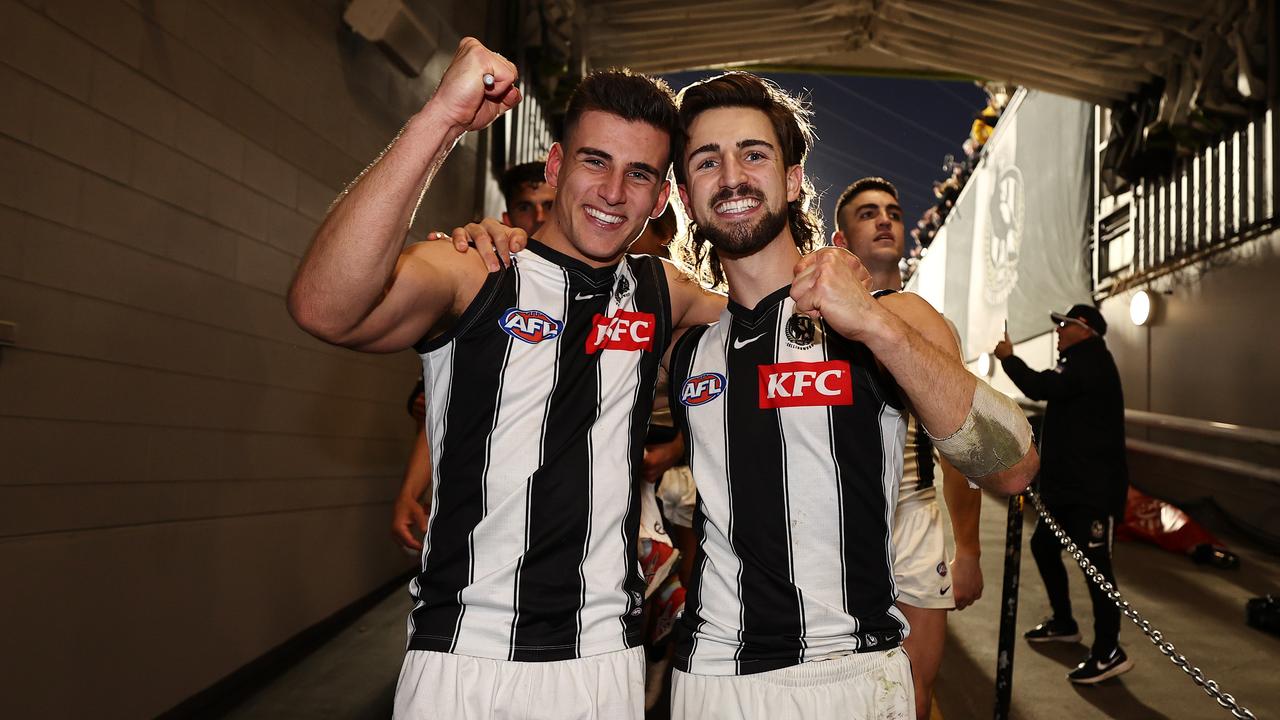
column 739, row 344
column 1096, row 545
column 580, row 296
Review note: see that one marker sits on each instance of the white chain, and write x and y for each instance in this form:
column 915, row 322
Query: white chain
column 1210, row 687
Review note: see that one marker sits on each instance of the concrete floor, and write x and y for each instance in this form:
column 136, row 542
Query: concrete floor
column 1200, row 610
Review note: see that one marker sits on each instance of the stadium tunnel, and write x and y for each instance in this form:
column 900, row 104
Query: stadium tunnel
column 195, row 494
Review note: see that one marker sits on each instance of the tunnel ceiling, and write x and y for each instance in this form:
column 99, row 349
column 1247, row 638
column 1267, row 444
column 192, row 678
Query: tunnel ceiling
column 1096, row 51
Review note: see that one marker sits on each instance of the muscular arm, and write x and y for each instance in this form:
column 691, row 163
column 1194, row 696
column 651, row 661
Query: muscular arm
column 964, row 505
column 353, row 286
column 916, row 346
column 919, row 350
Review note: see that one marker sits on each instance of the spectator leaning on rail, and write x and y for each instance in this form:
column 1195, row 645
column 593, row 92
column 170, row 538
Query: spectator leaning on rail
column 1083, row 478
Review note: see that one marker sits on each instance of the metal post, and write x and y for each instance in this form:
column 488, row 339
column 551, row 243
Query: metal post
column 1009, row 608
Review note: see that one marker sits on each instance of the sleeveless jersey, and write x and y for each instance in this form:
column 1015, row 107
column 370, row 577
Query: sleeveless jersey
column 537, row 403
column 795, row 440
column 920, row 468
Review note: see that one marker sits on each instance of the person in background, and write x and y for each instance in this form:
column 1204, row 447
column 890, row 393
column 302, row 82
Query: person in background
column 869, row 224
column 1083, row 478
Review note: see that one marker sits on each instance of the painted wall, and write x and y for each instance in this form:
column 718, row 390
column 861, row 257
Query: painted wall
column 1210, row 354
column 186, row 479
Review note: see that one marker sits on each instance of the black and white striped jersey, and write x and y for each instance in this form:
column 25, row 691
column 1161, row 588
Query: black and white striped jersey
column 919, row 466
column 537, row 403
column 795, row 440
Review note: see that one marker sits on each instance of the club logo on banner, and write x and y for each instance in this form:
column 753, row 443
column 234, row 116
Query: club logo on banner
column 1004, row 234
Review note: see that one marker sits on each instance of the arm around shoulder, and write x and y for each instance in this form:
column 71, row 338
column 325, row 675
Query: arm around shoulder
column 691, row 304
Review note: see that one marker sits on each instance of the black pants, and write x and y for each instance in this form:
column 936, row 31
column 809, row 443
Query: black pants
column 1091, row 529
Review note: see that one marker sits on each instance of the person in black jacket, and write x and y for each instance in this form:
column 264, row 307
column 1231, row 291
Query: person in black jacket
column 1083, row 478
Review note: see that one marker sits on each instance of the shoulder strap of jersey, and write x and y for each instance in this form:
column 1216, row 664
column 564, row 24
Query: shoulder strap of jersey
column 652, row 267
column 488, row 291
column 680, row 367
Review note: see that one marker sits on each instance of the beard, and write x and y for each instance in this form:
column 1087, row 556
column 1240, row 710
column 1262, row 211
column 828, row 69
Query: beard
column 740, row 238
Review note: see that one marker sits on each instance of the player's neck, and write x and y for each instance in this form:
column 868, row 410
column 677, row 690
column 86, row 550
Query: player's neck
column 885, row 278
column 752, row 277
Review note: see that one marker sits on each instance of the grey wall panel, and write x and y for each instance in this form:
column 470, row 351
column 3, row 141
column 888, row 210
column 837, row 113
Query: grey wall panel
column 188, row 479
column 1212, row 348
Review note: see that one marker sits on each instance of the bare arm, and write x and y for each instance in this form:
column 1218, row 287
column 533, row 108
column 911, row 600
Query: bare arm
column 913, row 343
column 353, row 287
column 964, row 505
column 409, row 515
column 926, row 364
column 691, row 304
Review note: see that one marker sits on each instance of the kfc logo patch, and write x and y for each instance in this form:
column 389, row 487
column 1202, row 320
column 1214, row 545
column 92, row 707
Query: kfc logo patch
column 624, row 331
column 701, row 389
column 531, row 326
column 796, row 384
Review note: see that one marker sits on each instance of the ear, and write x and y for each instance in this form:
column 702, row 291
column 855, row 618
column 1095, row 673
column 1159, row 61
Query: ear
column 684, row 197
column 660, row 206
column 555, row 158
column 795, row 179
column 837, row 239
column 506, row 219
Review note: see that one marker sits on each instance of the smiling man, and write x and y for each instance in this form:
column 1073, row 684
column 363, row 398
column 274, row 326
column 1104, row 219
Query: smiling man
column 539, row 371
column 793, row 405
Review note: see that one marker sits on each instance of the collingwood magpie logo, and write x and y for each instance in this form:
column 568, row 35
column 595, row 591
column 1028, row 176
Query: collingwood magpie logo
column 1004, row 234
column 622, row 289
column 800, row 332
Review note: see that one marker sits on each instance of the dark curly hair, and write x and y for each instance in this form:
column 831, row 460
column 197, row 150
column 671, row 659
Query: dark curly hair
column 791, row 120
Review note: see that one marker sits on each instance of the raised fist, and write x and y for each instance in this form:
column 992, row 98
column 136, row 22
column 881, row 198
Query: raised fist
column 464, row 99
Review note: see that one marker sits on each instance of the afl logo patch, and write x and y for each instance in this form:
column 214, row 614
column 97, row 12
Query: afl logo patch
column 701, row 389
column 530, row 326
column 800, row 332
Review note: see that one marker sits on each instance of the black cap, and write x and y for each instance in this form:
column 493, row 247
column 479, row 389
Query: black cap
column 1087, row 314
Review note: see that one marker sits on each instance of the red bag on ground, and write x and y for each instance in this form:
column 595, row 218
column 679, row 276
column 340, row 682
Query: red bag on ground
column 1164, row 525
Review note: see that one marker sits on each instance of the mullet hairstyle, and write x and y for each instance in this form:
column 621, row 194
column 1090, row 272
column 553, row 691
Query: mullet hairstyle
column 630, row 96
column 791, row 121
column 858, row 186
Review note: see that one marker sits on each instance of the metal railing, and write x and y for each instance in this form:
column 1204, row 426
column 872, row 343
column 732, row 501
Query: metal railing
column 1215, row 199
column 1194, row 426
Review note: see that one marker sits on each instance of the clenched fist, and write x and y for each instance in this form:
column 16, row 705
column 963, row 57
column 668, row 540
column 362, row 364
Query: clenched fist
column 831, row 283
column 462, row 97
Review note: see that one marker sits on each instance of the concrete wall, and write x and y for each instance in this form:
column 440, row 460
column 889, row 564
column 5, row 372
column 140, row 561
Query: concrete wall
column 186, row 479
column 1211, row 352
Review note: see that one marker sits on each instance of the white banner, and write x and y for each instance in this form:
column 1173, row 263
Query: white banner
column 1013, row 248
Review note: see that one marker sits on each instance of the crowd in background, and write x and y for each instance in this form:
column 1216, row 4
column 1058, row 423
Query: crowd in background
column 956, row 173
